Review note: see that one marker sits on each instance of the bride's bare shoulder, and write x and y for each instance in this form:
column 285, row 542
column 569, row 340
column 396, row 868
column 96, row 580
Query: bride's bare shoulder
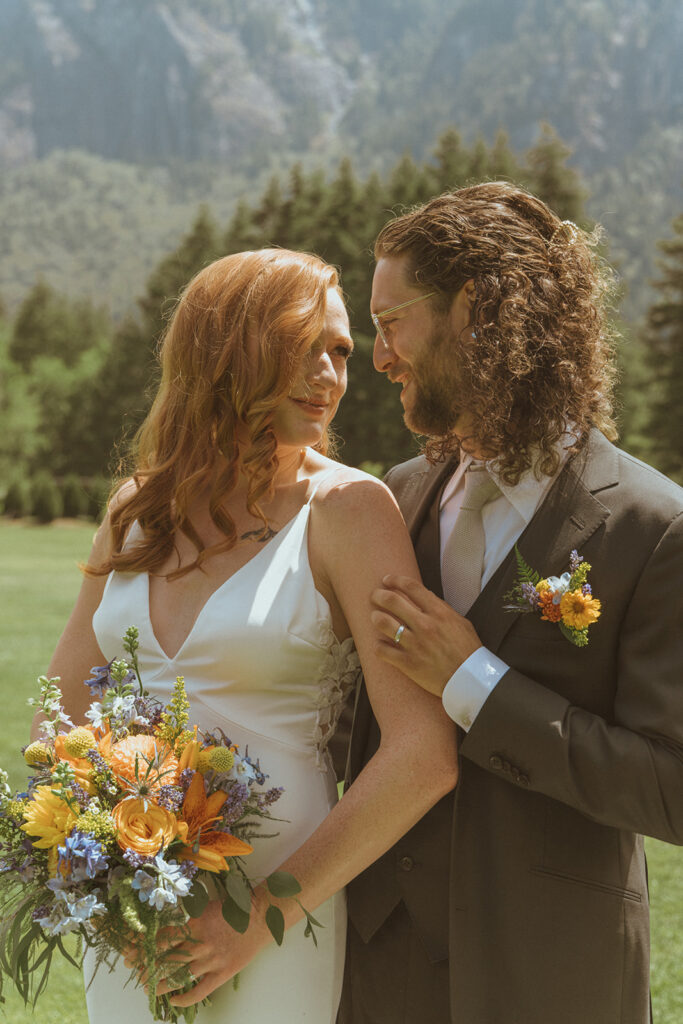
column 357, row 532
column 349, row 497
column 346, row 487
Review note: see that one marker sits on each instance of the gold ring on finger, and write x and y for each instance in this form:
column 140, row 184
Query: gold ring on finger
column 398, row 634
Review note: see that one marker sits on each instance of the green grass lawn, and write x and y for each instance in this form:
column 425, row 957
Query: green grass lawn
column 39, row 580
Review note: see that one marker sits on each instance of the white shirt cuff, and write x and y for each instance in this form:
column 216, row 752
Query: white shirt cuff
column 468, row 687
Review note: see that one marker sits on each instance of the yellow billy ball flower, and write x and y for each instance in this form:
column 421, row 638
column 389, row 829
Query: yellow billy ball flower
column 203, row 763
column 221, row 759
column 79, row 741
column 36, row 753
column 578, row 609
column 48, row 818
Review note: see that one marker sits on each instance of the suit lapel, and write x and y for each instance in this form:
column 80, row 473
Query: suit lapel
column 569, row 515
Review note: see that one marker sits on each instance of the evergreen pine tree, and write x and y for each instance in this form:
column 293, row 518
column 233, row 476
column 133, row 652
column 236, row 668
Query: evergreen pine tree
column 502, row 162
column 49, row 324
column 549, row 177
column 268, row 212
column 478, row 169
column 200, row 246
column 338, row 233
column 452, row 162
column 664, row 345
column 406, row 184
column 242, row 233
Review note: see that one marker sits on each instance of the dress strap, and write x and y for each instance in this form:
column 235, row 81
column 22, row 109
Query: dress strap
column 321, row 479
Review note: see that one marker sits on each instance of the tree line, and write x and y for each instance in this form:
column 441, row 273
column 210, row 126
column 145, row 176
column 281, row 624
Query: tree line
column 75, row 385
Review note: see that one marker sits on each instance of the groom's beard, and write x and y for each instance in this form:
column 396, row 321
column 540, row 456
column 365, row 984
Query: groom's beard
column 435, row 409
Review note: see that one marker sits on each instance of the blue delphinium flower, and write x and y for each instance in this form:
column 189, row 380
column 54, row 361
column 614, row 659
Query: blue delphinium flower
column 81, row 857
column 559, row 585
column 101, row 679
column 69, row 911
column 170, row 883
column 117, row 711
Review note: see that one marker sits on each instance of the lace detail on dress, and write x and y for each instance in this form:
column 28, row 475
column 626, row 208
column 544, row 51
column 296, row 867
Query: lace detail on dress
column 337, row 680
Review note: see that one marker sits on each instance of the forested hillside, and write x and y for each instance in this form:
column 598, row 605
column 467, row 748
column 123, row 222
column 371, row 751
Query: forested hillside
column 74, row 383
column 182, row 101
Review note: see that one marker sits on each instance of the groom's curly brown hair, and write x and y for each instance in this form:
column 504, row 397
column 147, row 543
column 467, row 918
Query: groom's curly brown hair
column 540, row 358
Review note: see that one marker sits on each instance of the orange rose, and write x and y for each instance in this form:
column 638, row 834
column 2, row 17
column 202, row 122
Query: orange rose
column 146, row 831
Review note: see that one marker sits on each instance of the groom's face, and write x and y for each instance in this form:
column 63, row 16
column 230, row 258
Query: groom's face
column 419, row 349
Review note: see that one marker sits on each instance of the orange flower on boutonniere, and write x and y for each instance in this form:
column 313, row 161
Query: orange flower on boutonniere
column 567, row 599
column 207, row 847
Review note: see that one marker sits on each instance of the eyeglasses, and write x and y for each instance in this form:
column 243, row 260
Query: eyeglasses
column 375, row 317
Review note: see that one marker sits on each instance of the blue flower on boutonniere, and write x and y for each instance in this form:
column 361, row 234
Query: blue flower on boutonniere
column 566, row 600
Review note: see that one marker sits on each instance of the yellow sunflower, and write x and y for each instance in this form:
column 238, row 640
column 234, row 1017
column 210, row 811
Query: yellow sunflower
column 578, row 609
column 48, row 818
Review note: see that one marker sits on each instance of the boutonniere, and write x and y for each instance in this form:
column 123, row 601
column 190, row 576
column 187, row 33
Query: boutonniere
column 567, row 599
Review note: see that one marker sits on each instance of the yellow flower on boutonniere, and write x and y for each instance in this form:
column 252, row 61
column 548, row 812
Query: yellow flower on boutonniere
column 579, row 610
column 566, row 600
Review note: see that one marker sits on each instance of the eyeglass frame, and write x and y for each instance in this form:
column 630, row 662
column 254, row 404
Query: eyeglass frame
column 392, row 309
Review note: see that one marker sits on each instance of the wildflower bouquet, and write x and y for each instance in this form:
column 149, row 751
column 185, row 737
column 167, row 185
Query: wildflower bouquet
column 567, row 599
column 124, row 822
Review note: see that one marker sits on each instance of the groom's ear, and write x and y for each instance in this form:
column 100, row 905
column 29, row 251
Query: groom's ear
column 461, row 307
column 470, row 293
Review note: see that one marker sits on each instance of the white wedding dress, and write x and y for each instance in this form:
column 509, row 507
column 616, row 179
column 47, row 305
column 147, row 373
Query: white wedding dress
column 262, row 663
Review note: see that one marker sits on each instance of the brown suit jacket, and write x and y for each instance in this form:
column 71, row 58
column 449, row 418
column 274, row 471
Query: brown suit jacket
column 531, row 877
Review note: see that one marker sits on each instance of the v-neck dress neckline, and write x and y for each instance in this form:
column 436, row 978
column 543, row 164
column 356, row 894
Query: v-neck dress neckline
column 264, row 549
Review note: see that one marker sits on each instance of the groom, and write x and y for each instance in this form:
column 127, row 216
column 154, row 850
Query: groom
column 522, row 897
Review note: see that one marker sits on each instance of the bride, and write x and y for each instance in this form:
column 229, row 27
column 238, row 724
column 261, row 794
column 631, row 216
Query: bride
column 247, row 557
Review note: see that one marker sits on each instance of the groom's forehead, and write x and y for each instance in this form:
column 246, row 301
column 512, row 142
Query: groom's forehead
column 390, row 285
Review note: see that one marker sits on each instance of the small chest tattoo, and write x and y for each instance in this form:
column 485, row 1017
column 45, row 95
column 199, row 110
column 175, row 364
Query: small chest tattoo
column 258, row 535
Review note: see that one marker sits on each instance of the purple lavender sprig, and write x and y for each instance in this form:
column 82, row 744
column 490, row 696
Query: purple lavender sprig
column 575, row 560
column 530, row 595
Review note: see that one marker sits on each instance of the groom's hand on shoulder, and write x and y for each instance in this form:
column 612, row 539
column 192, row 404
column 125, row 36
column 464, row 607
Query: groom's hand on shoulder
column 435, row 639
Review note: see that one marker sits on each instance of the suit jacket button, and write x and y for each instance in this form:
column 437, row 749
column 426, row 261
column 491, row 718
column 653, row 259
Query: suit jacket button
column 515, row 773
column 407, row 863
column 523, row 780
column 496, row 762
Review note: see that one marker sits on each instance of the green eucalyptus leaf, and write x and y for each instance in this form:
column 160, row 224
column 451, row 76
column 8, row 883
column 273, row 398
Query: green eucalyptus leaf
column 237, row 888
column 234, row 915
column 282, row 884
column 276, row 923
column 197, row 899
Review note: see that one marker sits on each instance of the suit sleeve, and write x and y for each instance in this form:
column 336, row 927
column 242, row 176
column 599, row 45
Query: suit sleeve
column 628, row 772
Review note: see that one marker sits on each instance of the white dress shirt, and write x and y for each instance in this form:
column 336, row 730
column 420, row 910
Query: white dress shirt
column 504, row 520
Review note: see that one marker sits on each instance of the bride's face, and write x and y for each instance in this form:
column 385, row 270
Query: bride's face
column 320, row 383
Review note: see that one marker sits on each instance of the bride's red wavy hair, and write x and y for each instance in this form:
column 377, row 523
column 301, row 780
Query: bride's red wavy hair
column 228, row 359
